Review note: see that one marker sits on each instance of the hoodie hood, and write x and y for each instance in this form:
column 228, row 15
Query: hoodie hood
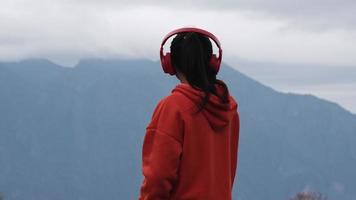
column 215, row 111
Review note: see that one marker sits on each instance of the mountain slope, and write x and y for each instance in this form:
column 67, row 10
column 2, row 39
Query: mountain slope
column 76, row 133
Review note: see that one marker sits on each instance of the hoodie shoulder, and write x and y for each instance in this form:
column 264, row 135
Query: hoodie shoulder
column 234, row 103
column 167, row 118
column 179, row 101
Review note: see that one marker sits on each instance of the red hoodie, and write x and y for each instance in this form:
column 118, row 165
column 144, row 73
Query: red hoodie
column 190, row 157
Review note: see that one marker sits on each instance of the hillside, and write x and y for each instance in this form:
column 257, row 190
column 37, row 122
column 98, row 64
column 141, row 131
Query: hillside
column 76, row 133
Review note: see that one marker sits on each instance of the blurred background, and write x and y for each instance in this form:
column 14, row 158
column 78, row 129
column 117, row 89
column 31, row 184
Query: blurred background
column 79, row 81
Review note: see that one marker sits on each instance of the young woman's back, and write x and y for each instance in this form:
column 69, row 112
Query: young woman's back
column 191, row 151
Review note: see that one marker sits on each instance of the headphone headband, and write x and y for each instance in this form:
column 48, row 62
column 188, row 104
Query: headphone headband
column 192, row 29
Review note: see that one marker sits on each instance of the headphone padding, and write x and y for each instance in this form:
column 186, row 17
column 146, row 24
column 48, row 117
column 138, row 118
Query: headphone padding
column 167, row 64
column 214, row 63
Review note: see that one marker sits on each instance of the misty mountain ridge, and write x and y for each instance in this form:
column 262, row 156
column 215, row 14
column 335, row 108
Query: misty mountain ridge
column 87, row 62
column 77, row 133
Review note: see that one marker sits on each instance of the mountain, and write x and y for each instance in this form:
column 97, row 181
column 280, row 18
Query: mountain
column 76, row 133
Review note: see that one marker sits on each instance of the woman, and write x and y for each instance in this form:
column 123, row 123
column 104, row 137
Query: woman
column 190, row 149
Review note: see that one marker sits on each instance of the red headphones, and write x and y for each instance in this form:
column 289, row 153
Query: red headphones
column 166, row 59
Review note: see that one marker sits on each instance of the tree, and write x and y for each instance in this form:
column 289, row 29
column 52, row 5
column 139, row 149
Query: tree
column 308, row 195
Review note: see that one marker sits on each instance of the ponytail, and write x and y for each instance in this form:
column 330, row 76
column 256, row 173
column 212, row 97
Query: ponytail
column 190, row 55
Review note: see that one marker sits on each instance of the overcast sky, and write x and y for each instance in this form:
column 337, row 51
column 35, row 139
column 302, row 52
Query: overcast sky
column 303, row 46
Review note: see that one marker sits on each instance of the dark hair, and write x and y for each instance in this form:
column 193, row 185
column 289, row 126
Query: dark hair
column 190, row 55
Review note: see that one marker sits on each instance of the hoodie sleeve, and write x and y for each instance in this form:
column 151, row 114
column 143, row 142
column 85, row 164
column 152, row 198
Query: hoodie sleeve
column 235, row 146
column 161, row 151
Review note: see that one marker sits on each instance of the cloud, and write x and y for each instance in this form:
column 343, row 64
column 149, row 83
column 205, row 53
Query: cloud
column 287, row 42
column 64, row 31
column 310, row 14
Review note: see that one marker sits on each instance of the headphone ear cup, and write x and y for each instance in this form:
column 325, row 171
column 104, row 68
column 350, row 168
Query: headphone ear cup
column 167, row 64
column 214, row 63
